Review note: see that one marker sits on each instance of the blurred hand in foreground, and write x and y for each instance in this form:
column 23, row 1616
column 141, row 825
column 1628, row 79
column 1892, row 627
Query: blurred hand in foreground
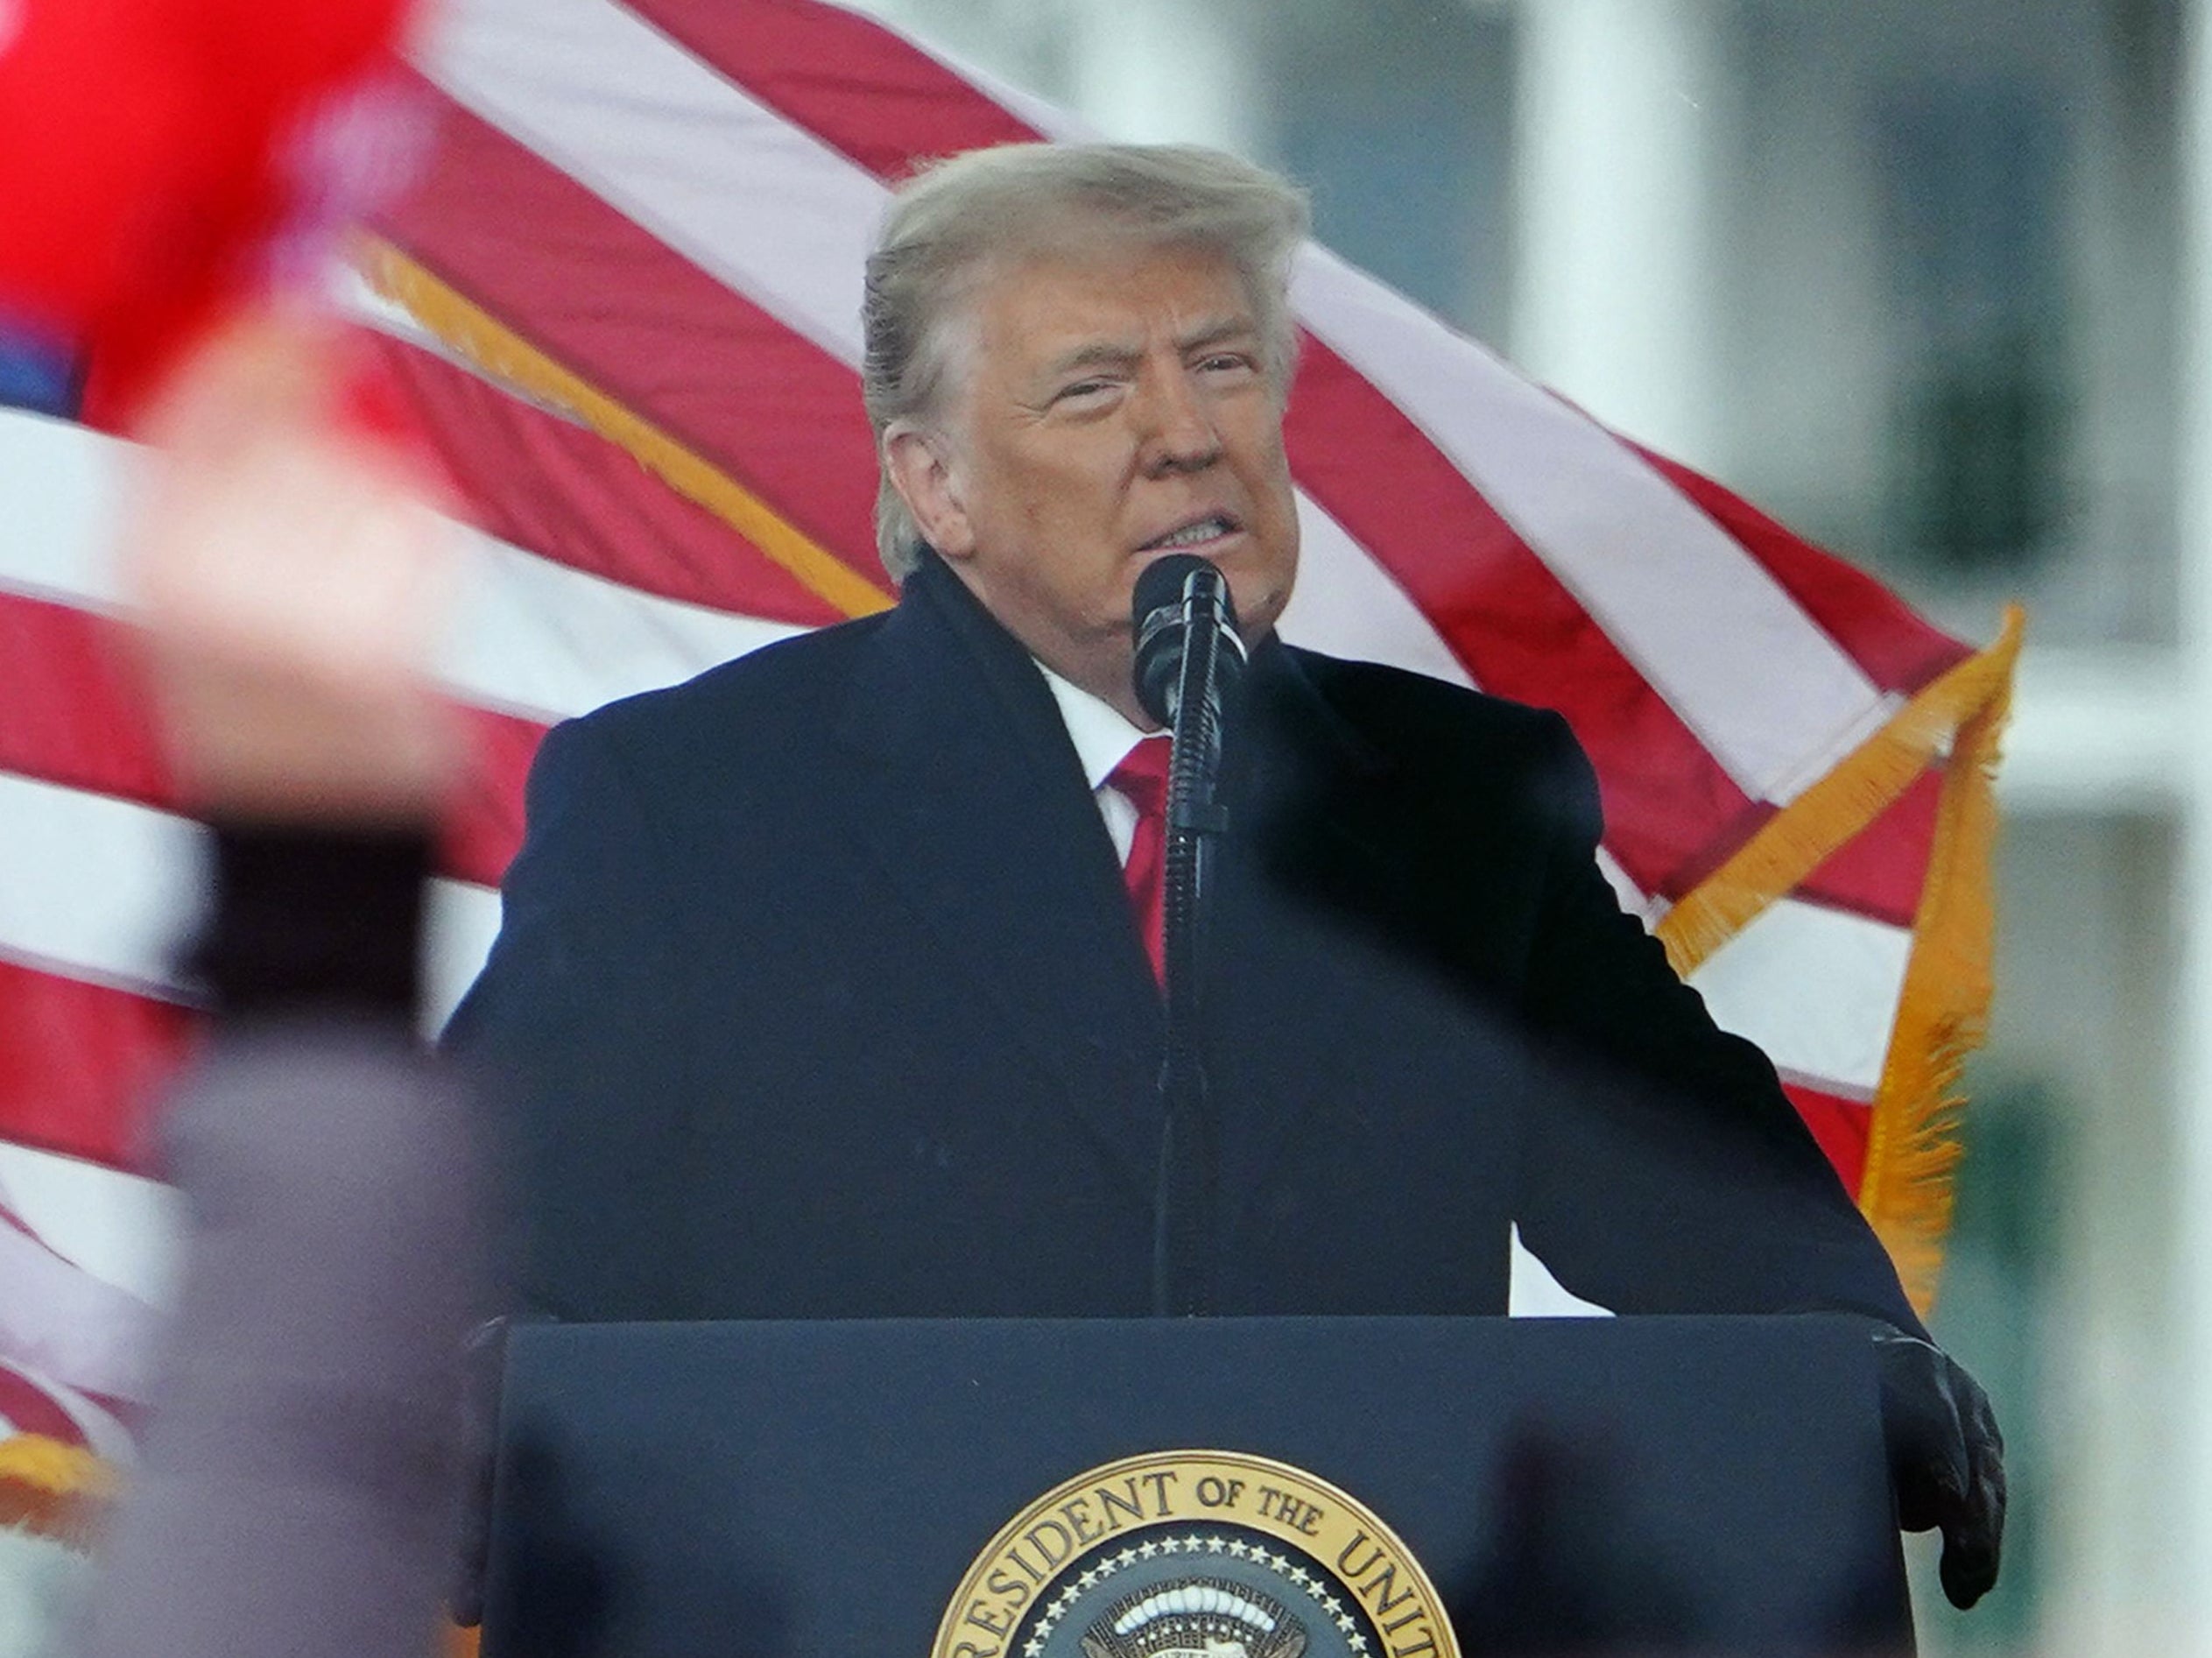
column 1947, row 1459
column 300, row 1468
column 295, row 575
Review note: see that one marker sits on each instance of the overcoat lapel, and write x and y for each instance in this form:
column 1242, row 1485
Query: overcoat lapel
column 970, row 796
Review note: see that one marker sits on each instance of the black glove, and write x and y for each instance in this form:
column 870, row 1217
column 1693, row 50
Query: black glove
column 1947, row 1459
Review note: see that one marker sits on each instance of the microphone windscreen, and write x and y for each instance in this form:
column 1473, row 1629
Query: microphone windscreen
column 1156, row 614
column 1160, row 584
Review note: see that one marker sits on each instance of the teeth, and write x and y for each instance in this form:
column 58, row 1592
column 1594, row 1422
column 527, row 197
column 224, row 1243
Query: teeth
column 1205, row 531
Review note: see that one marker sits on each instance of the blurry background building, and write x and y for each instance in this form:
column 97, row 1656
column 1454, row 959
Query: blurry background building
column 1911, row 274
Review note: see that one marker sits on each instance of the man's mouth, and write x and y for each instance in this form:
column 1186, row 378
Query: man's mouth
column 1212, row 527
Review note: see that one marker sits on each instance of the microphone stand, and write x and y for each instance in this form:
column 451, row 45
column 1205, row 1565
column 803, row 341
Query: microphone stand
column 1187, row 1195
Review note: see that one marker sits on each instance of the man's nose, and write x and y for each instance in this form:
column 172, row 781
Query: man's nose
column 1178, row 432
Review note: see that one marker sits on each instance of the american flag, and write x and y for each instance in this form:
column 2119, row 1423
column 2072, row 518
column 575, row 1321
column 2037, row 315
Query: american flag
column 624, row 304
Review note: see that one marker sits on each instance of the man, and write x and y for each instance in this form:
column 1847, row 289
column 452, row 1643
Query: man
column 819, row 983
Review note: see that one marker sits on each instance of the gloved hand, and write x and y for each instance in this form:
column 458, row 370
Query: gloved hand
column 1947, row 1459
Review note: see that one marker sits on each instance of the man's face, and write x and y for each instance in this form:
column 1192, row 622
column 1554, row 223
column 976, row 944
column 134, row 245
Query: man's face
column 1114, row 409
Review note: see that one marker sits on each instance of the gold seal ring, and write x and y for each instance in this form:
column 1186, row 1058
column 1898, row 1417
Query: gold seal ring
column 1195, row 1553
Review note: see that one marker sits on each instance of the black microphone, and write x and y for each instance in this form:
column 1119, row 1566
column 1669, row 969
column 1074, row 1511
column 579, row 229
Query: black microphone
column 1187, row 637
column 1189, row 659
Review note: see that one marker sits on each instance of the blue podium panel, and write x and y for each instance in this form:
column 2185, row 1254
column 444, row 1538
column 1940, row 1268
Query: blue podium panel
column 1708, row 1485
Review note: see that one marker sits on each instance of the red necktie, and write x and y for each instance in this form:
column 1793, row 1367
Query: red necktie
column 1142, row 778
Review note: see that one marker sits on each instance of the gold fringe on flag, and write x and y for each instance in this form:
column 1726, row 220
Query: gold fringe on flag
column 1912, row 1148
column 52, row 1490
column 1942, row 1016
column 493, row 347
column 1864, row 784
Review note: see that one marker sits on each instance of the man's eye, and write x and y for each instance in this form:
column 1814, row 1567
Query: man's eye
column 1086, row 388
column 1226, row 363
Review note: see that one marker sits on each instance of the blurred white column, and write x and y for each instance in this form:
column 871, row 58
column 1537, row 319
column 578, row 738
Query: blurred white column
column 1615, row 157
column 2188, row 1585
column 1167, row 71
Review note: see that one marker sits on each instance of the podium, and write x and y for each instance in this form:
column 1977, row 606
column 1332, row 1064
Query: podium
column 812, row 1489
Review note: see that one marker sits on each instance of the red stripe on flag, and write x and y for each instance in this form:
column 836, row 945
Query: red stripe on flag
column 1671, row 811
column 562, row 490
column 613, row 303
column 846, row 79
column 72, row 713
column 484, row 828
column 80, row 1064
column 71, row 709
column 1893, row 646
column 1840, row 1126
column 1879, row 872
column 29, row 1410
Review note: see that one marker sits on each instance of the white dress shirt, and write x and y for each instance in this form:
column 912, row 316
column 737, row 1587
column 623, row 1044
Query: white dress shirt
column 1102, row 739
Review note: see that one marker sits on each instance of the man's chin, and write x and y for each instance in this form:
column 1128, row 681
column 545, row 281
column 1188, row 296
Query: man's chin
column 1261, row 597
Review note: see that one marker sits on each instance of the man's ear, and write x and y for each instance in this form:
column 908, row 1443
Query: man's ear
column 919, row 466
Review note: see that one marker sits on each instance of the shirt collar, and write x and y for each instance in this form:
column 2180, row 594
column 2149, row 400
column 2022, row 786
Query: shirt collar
column 1103, row 736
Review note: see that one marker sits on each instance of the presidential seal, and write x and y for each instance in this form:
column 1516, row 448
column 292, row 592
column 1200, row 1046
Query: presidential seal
column 1195, row 1553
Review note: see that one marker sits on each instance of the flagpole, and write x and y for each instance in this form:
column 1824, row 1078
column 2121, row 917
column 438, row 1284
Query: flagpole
column 2186, row 1585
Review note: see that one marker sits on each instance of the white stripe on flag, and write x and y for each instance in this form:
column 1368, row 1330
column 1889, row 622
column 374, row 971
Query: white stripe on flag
column 529, row 635
column 464, row 918
column 119, row 1227
column 66, row 489
column 537, row 637
column 120, row 885
column 60, row 1320
column 1816, row 988
column 758, row 202
column 117, row 885
column 1766, row 690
